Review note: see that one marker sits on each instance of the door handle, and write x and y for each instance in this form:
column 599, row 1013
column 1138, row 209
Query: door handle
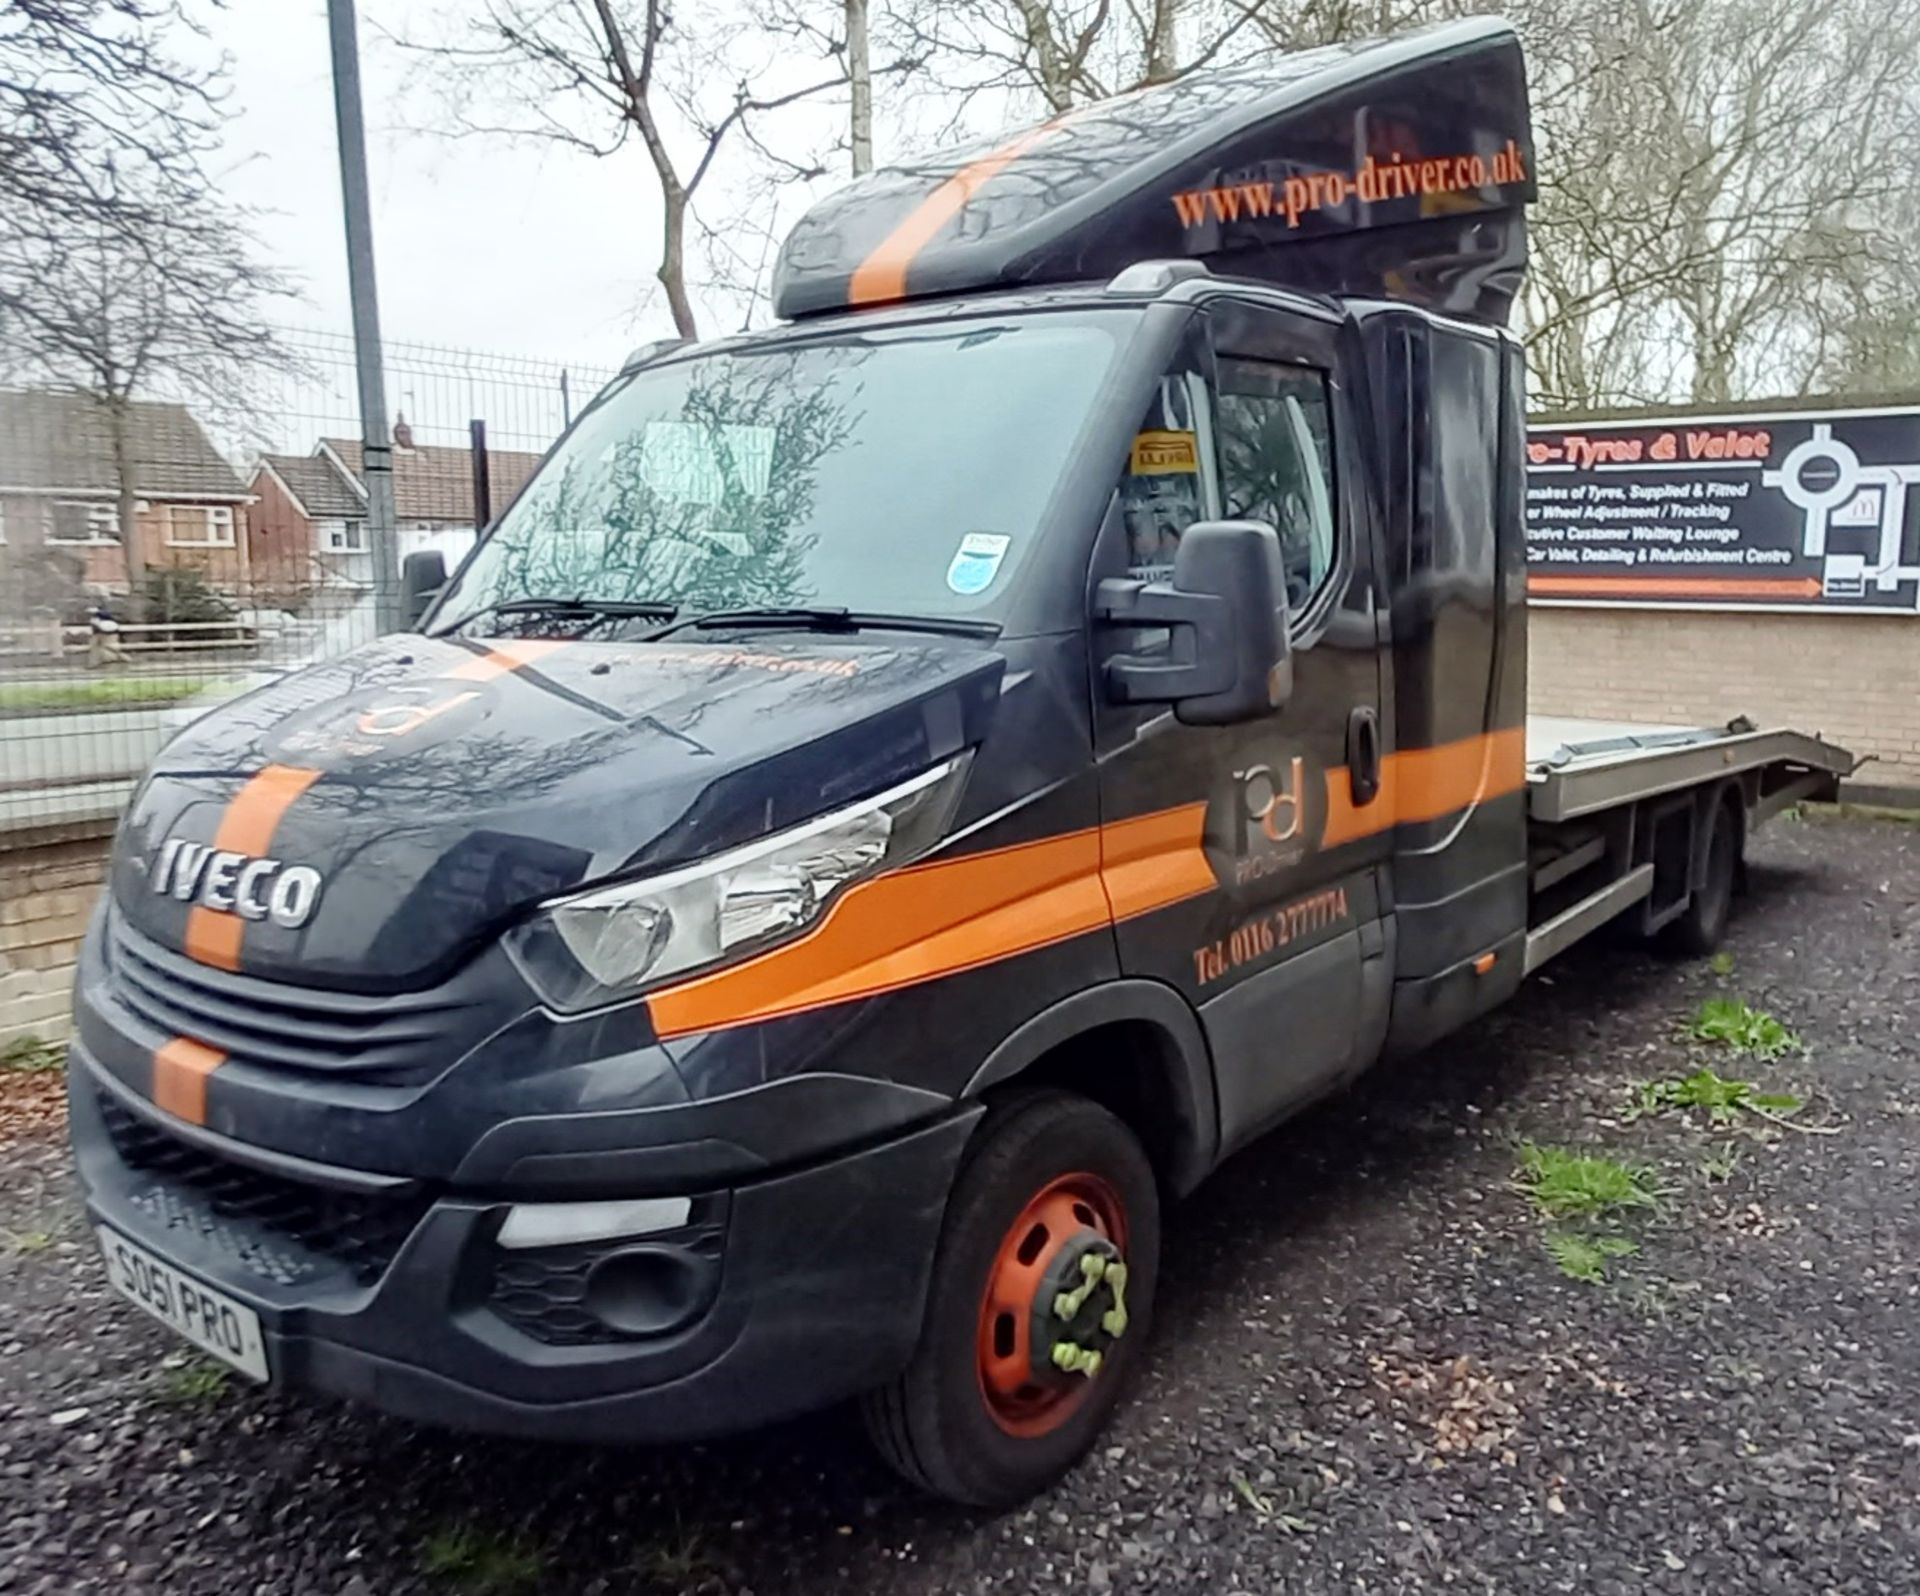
column 1363, row 755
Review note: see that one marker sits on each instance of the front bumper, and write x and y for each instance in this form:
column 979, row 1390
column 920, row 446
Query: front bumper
column 808, row 1285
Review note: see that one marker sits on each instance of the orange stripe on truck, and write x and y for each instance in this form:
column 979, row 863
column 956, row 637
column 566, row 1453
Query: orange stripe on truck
column 180, row 1071
column 503, row 659
column 1428, row 784
column 951, row 915
column 213, row 935
column 900, row 929
column 938, row 919
column 1156, row 860
column 882, row 276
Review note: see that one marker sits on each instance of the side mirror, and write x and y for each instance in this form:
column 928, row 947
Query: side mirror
column 422, row 575
column 1227, row 607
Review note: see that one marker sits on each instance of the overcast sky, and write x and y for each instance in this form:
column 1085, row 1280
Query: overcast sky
column 479, row 243
column 492, row 246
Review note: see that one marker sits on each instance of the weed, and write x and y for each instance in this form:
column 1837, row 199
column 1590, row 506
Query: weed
column 1587, row 1257
column 675, row 1562
column 28, row 1241
column 481, row 1561
column 1566, row 1183
column 1721, row 1099
column 1745, row 1029
column 195, row 1384
column 1721, row 964
column 30, row 1055
column 1899, row 815
column 1720, row 1163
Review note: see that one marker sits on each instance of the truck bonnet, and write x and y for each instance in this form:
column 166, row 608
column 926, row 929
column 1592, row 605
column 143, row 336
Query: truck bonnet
column 1394, row 168
column 362, row 824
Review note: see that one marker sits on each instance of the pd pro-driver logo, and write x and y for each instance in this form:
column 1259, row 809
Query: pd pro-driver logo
column 1259, row 823
column 1272, row 798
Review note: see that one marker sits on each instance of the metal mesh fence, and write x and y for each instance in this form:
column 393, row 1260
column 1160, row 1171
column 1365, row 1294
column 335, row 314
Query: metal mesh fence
column 160, row 557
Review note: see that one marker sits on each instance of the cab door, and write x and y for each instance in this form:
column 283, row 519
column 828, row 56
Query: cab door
column 1244, row 862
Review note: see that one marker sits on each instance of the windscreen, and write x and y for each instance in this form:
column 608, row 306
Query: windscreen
column 904, row 470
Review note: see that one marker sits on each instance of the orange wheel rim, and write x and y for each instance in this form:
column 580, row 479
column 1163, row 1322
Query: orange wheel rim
column 1021, row 1402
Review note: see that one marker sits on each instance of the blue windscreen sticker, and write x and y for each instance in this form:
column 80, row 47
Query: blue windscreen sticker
column 977, row 562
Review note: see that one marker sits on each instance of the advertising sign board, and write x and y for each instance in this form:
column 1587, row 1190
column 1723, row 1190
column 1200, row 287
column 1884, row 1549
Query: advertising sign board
column 1805, row 509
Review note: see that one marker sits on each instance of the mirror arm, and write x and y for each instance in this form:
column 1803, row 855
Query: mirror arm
column 1202, row 658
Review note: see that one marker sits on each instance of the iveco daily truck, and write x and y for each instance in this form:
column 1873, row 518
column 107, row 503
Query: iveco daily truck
column 897, row 798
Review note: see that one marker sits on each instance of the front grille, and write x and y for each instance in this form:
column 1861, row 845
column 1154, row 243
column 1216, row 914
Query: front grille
column 394, row 1040
column 285, row 1231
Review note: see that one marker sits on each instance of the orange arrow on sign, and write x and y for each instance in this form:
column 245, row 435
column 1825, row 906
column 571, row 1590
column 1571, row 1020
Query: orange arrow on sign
column 1721, row 587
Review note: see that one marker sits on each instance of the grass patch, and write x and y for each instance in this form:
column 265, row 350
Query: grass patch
column 1721, row 1099
column 1587, row 1258
column 28, row 1055
column 1721, row 964
column 195, row 1384
column 482, row 1561
column 111, row 692
column 1746, row 1030
column 1565, row 1183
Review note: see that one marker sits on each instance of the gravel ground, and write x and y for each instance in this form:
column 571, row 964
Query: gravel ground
column 1368, row 1375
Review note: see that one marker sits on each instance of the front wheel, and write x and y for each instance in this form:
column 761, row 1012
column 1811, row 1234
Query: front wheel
column 1041, row 1295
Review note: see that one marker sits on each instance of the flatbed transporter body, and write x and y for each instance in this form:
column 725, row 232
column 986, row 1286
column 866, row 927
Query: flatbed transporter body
column 895, row 799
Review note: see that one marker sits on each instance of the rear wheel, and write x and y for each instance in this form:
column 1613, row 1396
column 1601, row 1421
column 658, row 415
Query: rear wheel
column 1041, row 1294
column 1700, row 928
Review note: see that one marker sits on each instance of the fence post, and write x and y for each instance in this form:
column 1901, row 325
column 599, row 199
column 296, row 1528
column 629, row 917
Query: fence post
column 482, row 477
column 376, row 445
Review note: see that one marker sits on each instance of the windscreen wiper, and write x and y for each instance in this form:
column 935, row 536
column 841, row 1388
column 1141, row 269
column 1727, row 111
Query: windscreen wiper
column 617, row 609
column 829, row 618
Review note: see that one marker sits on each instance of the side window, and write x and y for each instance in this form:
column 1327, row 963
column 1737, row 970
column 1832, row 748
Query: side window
column 1276, row 463
column 1162, row 491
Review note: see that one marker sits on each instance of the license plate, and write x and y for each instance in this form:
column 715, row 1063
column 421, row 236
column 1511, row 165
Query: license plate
column 210, row 1319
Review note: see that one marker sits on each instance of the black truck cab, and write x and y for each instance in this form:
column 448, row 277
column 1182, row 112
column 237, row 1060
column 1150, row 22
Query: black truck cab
column 897, row 795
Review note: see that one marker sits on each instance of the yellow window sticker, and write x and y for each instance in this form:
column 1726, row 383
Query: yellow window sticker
column 1161, row 453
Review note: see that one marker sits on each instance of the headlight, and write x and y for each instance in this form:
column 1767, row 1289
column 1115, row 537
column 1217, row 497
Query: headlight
column 614, row 942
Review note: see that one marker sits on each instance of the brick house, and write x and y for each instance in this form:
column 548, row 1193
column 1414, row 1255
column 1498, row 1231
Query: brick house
column 312, row 512
column 309, row 526
column 60, row 499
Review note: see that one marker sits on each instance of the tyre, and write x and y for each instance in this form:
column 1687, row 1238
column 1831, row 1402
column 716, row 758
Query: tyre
column 1699, row 929
column 1041, row 1296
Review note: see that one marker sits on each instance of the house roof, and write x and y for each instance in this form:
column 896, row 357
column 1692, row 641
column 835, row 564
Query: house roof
column 324, row 491
column 60, row 439
column 434, row 482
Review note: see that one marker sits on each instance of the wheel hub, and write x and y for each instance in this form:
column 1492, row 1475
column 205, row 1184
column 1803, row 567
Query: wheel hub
column 1080, row 1309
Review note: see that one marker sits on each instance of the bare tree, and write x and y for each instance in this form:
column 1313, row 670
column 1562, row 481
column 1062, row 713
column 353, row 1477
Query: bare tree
column 595, row 75
column 122, row 271
column 1719, row 183
column 1727, row 187
column 100, row 124
column 180, row 314
column 859, row 88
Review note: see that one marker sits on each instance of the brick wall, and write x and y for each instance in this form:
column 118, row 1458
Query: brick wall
column 1853, row 678
column 47, row 888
